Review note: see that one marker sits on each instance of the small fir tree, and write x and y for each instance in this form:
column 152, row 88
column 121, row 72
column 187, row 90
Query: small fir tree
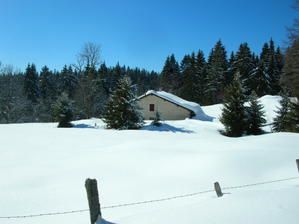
column 233, row 113
column 121, row 111
column 254, row 116
column 63, row 111
column 283, row 120
column 157, row 121
column 294, row 115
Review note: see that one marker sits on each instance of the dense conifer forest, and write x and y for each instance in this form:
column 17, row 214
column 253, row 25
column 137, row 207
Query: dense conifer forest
column 30, row 96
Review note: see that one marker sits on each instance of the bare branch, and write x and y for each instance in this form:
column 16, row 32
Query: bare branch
column 89, row 55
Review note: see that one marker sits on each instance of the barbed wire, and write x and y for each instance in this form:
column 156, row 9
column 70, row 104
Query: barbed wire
column 43, row 214
column 260, row 183
column 147, row 201
column 158, row 200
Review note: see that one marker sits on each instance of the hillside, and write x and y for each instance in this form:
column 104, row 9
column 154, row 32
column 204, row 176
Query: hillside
column 43, row 170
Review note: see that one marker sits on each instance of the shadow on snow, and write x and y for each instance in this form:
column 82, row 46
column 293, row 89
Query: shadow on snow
column 166, row 128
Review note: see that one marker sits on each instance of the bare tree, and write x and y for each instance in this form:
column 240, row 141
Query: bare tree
column 290, row 77
column 7, row 69
column 296, row 4
column 89, row 55
column 293, row 31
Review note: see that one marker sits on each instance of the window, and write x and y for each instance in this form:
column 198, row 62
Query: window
column 152, row 107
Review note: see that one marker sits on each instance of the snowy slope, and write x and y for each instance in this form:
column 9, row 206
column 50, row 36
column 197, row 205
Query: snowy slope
column 270, row 103
column 43, row 169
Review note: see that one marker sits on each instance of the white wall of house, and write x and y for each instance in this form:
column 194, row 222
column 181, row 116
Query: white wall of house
column 166, row 109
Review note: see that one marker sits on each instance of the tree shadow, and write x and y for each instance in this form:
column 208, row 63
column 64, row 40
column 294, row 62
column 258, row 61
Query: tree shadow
column 84, row 126
column 103, row 221
column 166, row 128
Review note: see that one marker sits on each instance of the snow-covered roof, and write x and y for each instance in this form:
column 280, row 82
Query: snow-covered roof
column 191, row 106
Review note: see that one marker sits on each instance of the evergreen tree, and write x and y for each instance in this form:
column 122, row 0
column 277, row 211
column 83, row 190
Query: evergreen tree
column 103, row 71
column 47, row 86
column 31, row 87
column 190, row 78
column 201, row 76
column 255, row 116
column 261, row 84
column 294, row 115
column 68, row 81
column 12, row 99
column 232, row 70
column 157, row 121
column 290, row 77
column 98, row 97
column 116, row 74
column 287, row 118
column 170, row 76
column 48, row 95
column 245, row 66
column 279, row 59
column 233, row 113
column 105, row 77
column 283, row 120
column 63, row 111
column 273, row 62
column 121, row 111
column 216, row 73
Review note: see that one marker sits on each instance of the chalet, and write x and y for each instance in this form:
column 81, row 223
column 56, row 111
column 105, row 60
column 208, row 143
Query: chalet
column 169, row 107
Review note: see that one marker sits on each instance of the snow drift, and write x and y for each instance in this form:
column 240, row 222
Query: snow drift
column 43, row 169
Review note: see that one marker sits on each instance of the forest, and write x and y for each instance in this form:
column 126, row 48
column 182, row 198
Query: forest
column 29, row 96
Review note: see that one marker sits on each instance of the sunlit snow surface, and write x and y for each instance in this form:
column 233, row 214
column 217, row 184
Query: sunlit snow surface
column 43, row 169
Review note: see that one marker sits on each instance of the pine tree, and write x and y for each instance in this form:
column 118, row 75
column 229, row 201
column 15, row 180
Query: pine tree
column 170, row 77
column 68, row 81
column 233, row 113
column 294, row 115
column 261, row 84
column 157, row 121
column 245, row 66
column 255, row 116
column 47, row 84
column 283, row 120
column 216, row 73
column 273, row 62
column 201, row 76
column 63, row 111
column 290, row 77
column 31, row 86
column 12, row 99
column 116, row 74
column 48, row 94
column 231, row 70
column 121, row 111
column 190, row 78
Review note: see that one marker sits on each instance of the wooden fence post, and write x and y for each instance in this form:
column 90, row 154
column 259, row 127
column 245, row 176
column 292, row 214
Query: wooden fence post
column 297, row 162
column 93, row 199
column 218, row 189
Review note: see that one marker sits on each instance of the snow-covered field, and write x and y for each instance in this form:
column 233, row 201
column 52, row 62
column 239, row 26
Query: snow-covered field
column 43, row 169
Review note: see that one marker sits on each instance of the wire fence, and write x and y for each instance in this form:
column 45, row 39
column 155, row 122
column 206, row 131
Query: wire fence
column 148, row 201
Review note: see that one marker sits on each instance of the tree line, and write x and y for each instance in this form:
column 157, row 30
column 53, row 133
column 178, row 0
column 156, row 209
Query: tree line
column 31, row 96
column 203, row 81
column 240, row 119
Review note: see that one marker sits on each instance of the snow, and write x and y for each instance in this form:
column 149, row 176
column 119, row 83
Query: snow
column 43, row 169
column 199, row 113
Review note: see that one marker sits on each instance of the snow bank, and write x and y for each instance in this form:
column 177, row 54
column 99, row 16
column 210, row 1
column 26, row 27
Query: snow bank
column 270, row 103
column 43, row 169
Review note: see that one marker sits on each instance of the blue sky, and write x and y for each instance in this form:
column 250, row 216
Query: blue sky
column 134, row 32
